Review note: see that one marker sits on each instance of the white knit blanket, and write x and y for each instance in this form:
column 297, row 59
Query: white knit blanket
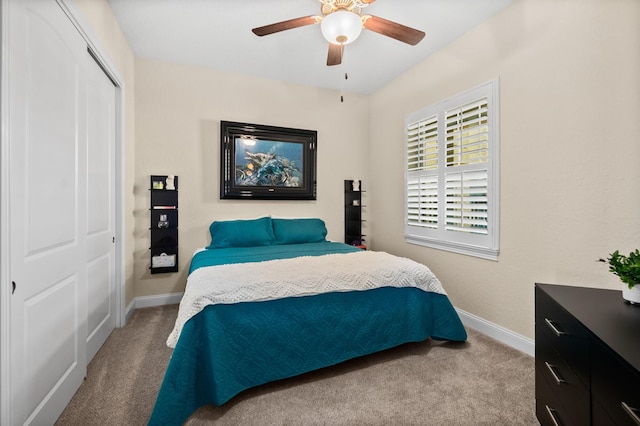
column 300, row 276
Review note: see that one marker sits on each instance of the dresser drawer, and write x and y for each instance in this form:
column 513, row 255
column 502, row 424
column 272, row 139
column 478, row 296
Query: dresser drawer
column 569, row 391
column 549, row 411
column 564, row 333
column 614, row 385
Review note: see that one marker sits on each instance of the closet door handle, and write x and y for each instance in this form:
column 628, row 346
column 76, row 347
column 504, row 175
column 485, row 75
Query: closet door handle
column 631, row 412
column 552, row 370
column 553, row 327
column 552, row 414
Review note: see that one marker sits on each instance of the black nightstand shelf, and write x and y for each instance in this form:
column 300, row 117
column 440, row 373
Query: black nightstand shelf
column 353, row 214
column 164, row 224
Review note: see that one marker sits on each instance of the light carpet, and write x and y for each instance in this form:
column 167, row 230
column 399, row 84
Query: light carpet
column 479, row 382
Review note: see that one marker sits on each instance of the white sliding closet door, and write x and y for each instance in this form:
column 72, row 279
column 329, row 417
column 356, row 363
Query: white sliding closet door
column 61, row 138
column 100, row 167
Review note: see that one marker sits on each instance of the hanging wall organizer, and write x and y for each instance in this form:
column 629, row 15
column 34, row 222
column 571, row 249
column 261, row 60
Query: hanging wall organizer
column 353, row 214
column 164, row 223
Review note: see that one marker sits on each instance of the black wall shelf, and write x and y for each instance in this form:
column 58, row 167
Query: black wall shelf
column 353, row 214
column 164, row 223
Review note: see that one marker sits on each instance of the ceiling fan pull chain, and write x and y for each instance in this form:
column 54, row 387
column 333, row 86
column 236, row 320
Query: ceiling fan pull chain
column 346, row 77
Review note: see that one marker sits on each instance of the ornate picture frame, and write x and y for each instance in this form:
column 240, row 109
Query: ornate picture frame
column 267, row 162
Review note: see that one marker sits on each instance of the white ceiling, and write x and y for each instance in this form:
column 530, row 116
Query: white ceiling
column 217, row 34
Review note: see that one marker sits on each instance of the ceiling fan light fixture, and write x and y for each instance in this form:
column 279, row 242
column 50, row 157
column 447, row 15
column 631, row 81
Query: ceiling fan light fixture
column 341, row 27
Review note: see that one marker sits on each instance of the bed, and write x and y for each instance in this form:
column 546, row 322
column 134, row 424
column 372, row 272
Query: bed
column 272, row 298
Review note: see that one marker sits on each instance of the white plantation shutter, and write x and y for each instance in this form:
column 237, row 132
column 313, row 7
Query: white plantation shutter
column 467, row 134
column 422, row 201
column 466, row 202
column 467, row 144
column 422, row 145
column 422, row 170
column 452, row 174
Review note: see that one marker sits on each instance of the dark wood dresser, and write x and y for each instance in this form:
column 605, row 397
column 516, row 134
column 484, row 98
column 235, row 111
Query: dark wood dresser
column 587, row 357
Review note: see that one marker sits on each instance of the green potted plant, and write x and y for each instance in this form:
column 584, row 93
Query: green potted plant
column 628, row 269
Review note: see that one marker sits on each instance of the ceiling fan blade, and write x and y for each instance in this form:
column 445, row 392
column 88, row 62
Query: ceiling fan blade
column 285, row 25
column 335, row 54
column 393, row 29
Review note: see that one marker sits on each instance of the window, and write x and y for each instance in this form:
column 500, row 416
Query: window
column 451, row 170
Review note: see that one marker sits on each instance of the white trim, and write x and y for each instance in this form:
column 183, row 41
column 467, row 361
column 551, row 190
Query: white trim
column 83, row 27
column 454, row 247
column 129, row 310
column 5, row 243
column 157, row 300
column 499, row 333
column 151, row 301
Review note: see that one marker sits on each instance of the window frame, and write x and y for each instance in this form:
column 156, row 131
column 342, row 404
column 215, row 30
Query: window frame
column 485, row 242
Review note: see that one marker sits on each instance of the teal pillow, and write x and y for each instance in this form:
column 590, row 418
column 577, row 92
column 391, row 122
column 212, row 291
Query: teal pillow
column 241, row 233
column 299, row 231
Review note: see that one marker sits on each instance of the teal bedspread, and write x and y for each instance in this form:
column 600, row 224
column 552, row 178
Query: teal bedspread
column 226, row 349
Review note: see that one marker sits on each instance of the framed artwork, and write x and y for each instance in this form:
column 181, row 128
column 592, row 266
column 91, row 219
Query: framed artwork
column 267, row 162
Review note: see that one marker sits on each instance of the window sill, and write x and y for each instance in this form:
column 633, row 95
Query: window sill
column 466, row 249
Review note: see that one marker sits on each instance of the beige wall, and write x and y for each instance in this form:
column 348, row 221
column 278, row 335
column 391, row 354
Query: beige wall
column 569, row 99
column 178, row 114
column 570, row 118
column 103, row 28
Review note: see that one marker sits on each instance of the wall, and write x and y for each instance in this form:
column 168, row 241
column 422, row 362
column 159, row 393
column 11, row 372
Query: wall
column 570, row 101
column 105, row 30
column 178, row 114
column 570, row 98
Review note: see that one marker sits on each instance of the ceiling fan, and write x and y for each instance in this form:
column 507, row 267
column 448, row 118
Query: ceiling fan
column 341, row 23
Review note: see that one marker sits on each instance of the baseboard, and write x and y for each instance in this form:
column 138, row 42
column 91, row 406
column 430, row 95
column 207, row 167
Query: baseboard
column 129, row 310
column 497, row 332
column 150, row 301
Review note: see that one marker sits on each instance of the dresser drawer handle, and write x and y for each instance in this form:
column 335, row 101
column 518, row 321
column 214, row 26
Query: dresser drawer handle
column 552, row 414
column 553, row 327
column 552, row 370
column 631, row 412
